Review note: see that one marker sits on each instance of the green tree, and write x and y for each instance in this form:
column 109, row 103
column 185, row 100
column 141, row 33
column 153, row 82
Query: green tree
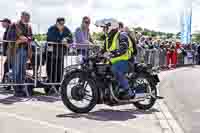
column 196, row 37
column 169, row 35
column 178, row 35
column 98, row 36
column 40, row 37
column 138, row 29
column 154, row 33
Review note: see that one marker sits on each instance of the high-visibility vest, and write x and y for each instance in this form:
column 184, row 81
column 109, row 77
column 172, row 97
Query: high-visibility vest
column 115, row 45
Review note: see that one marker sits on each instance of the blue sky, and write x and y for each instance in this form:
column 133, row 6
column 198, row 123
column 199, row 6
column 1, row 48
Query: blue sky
column 163, row 15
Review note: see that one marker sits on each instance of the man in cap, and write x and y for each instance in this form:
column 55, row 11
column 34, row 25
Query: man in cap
column 119, row 48
column 6, row 25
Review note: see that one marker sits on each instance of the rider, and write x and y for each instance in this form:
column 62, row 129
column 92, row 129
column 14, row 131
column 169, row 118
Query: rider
column 119, row 48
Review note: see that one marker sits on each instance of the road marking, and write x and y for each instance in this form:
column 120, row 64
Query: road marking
column 43, row 123
column 166, row 120
column 173, row 124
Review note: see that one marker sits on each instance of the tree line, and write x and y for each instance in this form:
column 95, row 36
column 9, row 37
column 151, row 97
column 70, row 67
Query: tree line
column 144, row 31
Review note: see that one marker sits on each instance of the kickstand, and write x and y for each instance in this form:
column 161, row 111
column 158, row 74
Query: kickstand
column 159, row 97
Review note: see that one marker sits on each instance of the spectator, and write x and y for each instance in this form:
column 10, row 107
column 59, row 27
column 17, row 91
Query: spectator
column 198, row 54
column 189, row 55
column 162, row 55
column 6, row 23
column 141, row 42
column 82, row 34
column 20, row 51
column 121, row 27
column 56, row 50
column 180, row 53
column 169, row 54
column 156, row 44
column 131, row 35
column 174, row 55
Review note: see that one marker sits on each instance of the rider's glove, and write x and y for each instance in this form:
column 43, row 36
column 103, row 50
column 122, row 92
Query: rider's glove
column 107, row 55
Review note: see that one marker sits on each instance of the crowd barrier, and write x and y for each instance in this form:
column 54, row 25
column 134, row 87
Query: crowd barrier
column 161, row 58
column 45, row 65
column 44, row 68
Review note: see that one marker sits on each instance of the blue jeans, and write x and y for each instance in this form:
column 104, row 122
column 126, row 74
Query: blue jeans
column 119, row 69
column 19, row 67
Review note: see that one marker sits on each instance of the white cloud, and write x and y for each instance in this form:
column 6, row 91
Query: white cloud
column 154, row 14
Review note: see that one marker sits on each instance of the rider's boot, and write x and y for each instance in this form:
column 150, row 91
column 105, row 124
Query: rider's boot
column 126, row 94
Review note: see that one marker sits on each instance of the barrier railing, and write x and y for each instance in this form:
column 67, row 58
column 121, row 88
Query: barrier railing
column 161, row 58
column 46, row 66
column 13, row 63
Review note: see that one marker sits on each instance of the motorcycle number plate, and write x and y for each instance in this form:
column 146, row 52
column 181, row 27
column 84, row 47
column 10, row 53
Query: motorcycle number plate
column 50, row 48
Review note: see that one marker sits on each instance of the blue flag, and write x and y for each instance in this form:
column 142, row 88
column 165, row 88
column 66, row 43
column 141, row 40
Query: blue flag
column 186, row 24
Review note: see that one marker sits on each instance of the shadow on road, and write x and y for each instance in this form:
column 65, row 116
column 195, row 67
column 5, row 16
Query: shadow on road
column 9, row 99
column 109, row 114
column 3, row 91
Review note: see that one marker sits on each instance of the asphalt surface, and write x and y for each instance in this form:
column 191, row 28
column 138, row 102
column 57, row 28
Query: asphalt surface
column 48, row 114
column 41, row 114
column 181, row 89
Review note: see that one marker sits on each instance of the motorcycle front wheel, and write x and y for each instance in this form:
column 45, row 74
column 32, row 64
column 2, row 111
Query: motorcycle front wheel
column 78, row 94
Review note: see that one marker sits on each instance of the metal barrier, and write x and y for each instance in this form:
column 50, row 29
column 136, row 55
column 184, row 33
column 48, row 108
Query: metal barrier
column 46, row 67
column 13, row 64
column 163, row 58
column 56, row 57
column 189, row 59
column 158, row 58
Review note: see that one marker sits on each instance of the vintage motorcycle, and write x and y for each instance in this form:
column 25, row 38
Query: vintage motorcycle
column 92, row 82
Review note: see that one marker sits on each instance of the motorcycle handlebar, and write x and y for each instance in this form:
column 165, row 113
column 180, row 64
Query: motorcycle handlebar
column 99, row 58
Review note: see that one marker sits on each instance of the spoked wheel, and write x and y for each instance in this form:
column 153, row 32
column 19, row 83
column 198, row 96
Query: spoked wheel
column 79, row 95
column 145, row 83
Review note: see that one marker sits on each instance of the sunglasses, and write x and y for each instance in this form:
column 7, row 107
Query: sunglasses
column 61, row 23
column 86, row 22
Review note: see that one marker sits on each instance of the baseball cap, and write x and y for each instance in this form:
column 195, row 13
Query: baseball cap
column 6, row 20
column 24, row 13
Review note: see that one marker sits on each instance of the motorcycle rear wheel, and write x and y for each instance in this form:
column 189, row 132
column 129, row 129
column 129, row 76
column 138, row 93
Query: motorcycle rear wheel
column 151, row 99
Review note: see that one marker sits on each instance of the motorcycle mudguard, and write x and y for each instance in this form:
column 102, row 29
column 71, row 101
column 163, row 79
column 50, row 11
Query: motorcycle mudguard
column 141, row 67
column 69, row 72
column 71, row 67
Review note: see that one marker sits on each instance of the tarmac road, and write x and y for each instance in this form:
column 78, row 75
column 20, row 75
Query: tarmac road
column 181, row 89
column 41, row 114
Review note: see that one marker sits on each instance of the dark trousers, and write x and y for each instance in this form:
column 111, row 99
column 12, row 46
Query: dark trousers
column 198, row 59
column 55, row 68
column 6, row 68
column 83, row 52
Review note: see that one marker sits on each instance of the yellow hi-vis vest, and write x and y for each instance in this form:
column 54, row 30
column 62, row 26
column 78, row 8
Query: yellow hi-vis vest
column 115, row 45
